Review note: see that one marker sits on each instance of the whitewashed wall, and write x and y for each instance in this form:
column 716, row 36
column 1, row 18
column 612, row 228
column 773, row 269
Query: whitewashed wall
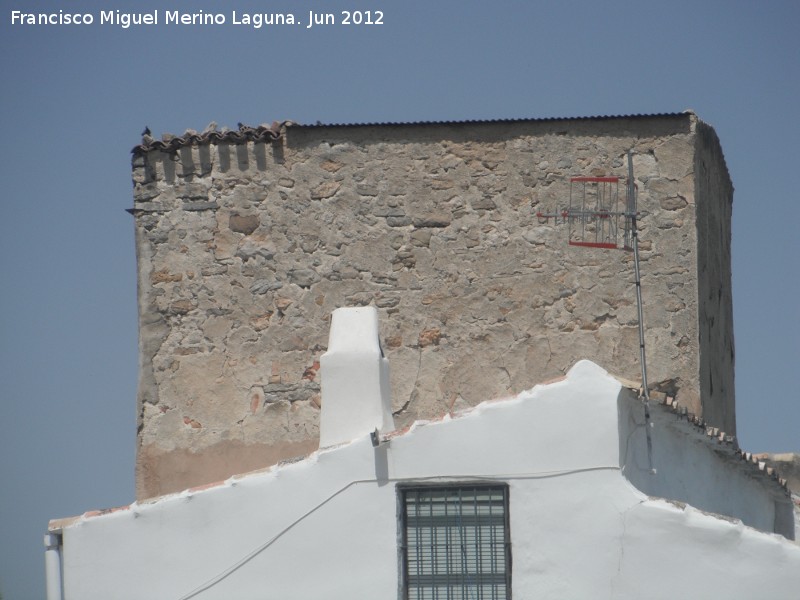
column 692, row 468
column 326, row 527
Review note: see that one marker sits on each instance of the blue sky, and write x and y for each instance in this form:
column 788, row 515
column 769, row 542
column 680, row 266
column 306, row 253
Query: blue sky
column 74, row 99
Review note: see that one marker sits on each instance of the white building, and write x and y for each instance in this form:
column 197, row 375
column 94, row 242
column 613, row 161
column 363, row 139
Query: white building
column 545, row 495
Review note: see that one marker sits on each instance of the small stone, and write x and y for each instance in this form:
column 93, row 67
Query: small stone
column 245, row 224
column 164, row 276
column 359, row 299
column 249, row 250
column 282, row 303
column 421, row 238
column 674, row 305
column 189, row 192
column 674, row 203
column 442, row 184
column 430, row 299
column 186, row 351
column 304, row 278
column 398, row 221
column 429, row 337
column 348, row 272
column 405, row 258
column 325, row 190
column 331, row 166
column 363, row 189
column 537, row 236
column 387, row 301
column 394, row 341
column 200, row 206
column 213, row 270
column 262, row 286
column 181, row 307
column 292, row 343
column 261, row 322
column 484, row 203
column 439, row 219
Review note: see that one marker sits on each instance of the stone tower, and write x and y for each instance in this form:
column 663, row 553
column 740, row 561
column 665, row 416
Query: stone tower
column 248, row 240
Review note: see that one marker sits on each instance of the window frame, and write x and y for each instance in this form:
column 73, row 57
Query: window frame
column 472, row 487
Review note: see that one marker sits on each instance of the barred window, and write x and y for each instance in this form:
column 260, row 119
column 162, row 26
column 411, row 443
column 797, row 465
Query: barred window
column 455, row 542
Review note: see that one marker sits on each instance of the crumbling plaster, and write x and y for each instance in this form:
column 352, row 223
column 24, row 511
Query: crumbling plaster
column 245, row 250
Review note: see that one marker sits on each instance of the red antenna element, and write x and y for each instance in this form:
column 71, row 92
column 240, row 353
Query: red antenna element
column 594, row 216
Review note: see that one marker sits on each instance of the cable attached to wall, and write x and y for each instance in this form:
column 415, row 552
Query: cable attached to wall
column 251, row 555
column 630, row 220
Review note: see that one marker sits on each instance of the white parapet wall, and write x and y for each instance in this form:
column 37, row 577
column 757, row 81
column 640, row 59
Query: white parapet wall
column 355, row 379
column 327, row 526
column 700, row 470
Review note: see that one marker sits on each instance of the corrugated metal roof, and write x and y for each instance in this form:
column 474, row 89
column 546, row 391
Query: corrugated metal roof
column 272, row 133
column 492, row 121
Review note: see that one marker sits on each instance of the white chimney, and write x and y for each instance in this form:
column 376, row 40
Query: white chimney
column 355, row 379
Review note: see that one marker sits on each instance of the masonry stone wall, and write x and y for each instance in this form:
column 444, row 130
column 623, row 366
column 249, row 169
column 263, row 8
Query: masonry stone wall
column 715, row 297
column 244, row 251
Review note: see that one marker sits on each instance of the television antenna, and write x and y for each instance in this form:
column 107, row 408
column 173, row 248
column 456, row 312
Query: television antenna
column 594, row 220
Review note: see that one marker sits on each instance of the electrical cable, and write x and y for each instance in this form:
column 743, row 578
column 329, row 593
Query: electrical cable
column 252, row 554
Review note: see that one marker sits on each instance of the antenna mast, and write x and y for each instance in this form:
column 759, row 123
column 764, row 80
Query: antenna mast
column 593, row 220
column 630, row 221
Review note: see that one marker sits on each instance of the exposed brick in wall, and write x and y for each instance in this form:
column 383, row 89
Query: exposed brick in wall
column 245, row 250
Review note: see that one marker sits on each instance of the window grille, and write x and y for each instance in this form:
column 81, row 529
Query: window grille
column 455, row 542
